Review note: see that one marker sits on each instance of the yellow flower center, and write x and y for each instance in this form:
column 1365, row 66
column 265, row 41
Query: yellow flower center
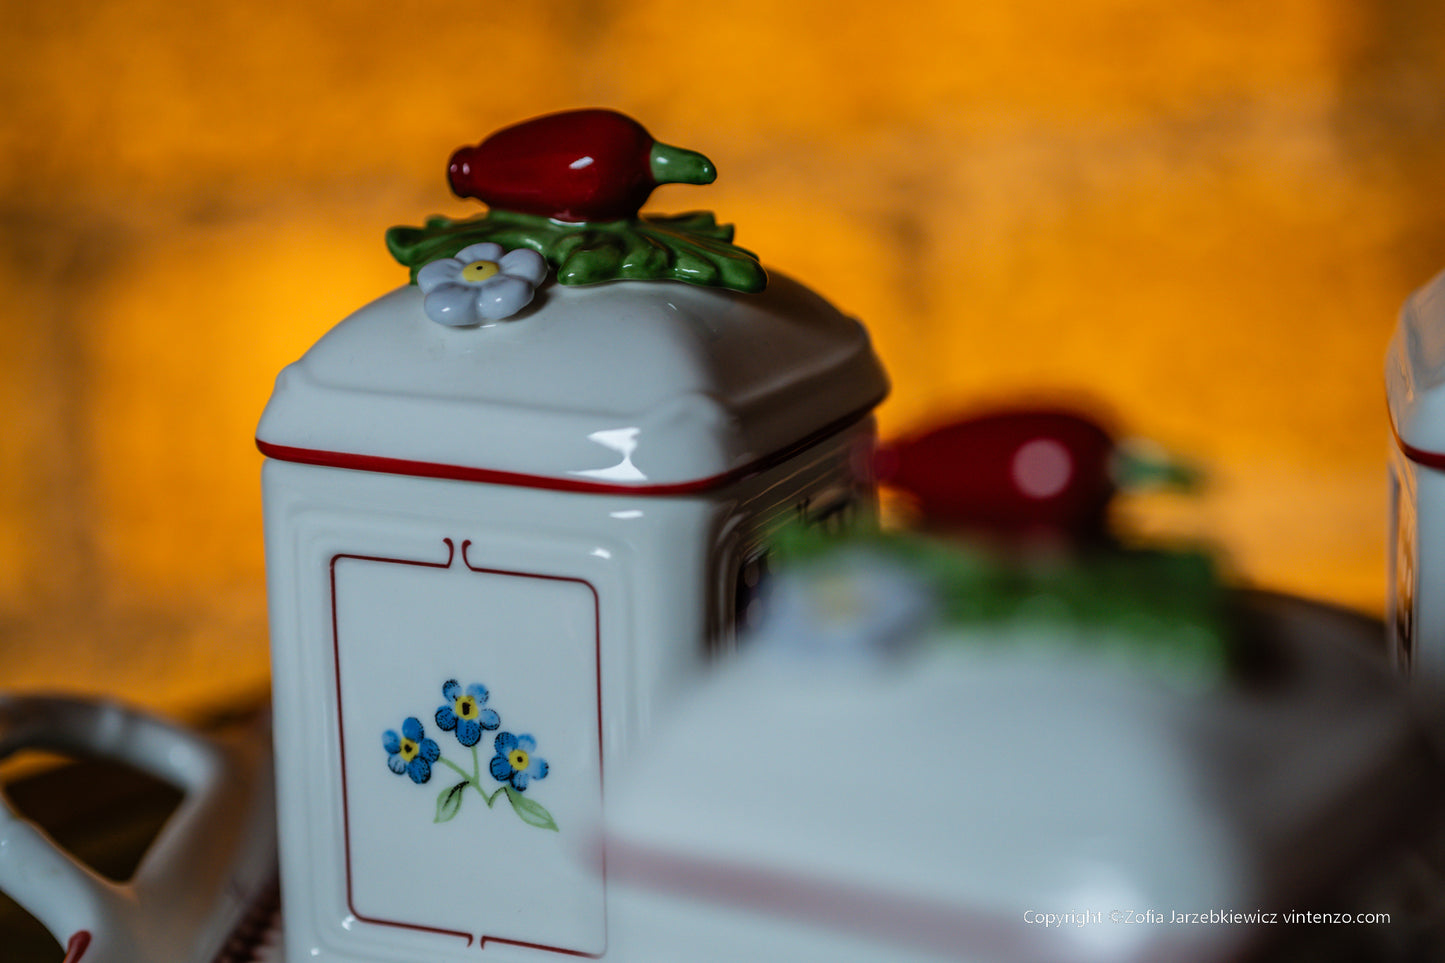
column 519, row 759
column 479, row 271
column 465, row 707
column 409, row 750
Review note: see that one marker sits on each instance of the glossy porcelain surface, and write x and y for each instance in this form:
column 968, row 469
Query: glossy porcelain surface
column 1415, row 369
column 935, row 803
column 1415, row 390
column 575, row 165
column 569, row 186
column 214, row 859
column 574, row 617
column 628, row 383
column 510, row 509
column 480, row 285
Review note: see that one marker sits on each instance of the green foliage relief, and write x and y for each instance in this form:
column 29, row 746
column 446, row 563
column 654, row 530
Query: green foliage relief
column 691, row 247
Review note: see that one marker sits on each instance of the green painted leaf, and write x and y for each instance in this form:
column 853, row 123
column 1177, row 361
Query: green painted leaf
column 691, row 247
column 532, row 813
column 646, row 256
column 449, row 803
column 598, row 260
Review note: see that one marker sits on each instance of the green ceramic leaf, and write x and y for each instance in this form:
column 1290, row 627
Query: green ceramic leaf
column 600, row 260
column 449, row 803
column 691, row 247
column 532, row 813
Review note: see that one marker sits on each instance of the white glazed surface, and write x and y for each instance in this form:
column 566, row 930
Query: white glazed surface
column 923, row 808
column 214, row 858
column 661, row 569
column 632, row 383
column 1415, row 391
column 771, row 773
column 1415, row 369
column 581, row 609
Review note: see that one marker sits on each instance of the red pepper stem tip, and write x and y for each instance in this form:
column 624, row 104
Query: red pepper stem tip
column 674, row 165
column 1138, row 464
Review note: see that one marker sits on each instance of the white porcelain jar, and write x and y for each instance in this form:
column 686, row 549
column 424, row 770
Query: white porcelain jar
column 1415, row 391
column 492, row 552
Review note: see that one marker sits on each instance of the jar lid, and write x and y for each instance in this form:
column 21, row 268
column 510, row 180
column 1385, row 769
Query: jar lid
column 650, row 387
column 1415, row 372
column 564, row 340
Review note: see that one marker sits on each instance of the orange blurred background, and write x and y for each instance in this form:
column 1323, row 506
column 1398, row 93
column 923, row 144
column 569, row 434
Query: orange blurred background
column 1204, row 216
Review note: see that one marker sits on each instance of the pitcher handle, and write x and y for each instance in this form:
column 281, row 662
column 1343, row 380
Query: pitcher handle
column 89, row 915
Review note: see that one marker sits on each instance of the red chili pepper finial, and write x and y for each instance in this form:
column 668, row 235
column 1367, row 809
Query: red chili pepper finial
column 1010, row 472
column 578, row 165
column 1025, row 471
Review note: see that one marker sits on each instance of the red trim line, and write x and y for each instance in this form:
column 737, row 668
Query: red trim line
column 482, row 939
column 539, row 946
column 428, row 469
column 940, row 927
column 1429, row 459
column 341, row 732
column 75, row 949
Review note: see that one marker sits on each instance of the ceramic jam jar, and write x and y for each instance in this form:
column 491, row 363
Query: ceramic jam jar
column 508, row 508
column 1415, row 392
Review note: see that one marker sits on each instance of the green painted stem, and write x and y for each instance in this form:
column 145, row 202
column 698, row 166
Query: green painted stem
column 476, row 779
column 677, row 165
column 1138, row 465
column 459, row 770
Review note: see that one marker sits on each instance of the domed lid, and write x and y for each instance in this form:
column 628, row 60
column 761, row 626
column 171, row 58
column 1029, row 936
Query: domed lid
column 562, row 340
column 1414, row 372
column 654, row 386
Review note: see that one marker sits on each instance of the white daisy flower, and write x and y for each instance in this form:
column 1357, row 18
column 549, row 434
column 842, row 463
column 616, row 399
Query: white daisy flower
column 480, row 284
column 854, row 604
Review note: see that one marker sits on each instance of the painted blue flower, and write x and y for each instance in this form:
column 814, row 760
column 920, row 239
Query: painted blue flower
column 411, row 752
column 514, row 762
column 467, row 713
